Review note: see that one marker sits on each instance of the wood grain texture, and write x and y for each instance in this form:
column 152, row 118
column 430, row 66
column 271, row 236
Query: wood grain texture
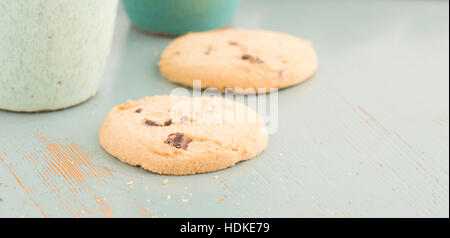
column 368, row 136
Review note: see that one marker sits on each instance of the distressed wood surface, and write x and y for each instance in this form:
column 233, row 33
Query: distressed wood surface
column 368, row 136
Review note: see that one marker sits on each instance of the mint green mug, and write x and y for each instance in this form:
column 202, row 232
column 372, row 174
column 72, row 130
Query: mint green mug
column 53, row 52
column 175, row 17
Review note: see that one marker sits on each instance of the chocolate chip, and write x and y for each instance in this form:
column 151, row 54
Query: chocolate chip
column 151, row 123
column 154, row 123
column 139, row 110
column 168, row 122
column 252, row 59
column 246, row 57
column 178, row 140
column 233, row 43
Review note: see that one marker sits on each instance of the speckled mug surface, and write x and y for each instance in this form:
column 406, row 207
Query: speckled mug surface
column 175, row 17
column 53, row 52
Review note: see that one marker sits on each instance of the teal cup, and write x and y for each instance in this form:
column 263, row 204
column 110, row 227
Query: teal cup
column 176, row 17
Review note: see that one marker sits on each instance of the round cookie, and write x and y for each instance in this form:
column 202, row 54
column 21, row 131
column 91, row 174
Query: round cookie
column 244, row 60
column 177, row 135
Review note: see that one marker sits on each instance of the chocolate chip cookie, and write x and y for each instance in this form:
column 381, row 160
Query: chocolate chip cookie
column 243, row 60
column 177, row 135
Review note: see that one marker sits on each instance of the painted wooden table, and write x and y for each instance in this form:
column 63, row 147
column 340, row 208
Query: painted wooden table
column 367, row 137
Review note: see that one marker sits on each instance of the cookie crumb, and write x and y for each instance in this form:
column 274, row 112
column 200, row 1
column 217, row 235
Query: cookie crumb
column 155, row 51
column 169, row 197
column 222, row 199
column 131, row 183
column 184, row 200
column 216, row 177
column 165, row 181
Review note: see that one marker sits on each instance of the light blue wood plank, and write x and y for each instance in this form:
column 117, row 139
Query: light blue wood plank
column 367, row 137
